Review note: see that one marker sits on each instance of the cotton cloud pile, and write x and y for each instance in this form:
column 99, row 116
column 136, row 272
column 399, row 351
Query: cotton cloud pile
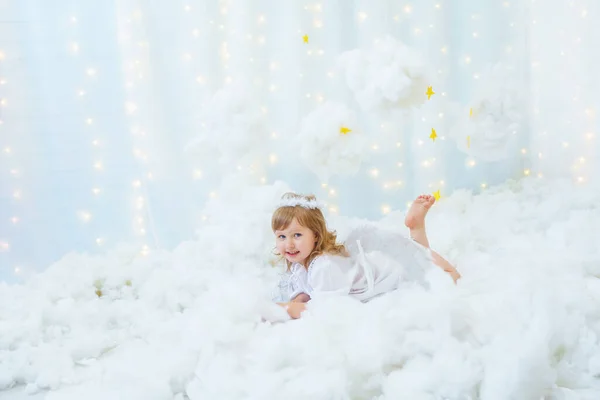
column 238, row 209
column 324, row 149
column 387, row 75
column 192, row 323
column 497, row 115
column 233, row 124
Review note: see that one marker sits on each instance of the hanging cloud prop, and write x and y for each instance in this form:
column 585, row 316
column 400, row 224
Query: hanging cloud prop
column 234, row 123
column 388, row 75
column 324, row 149
column 489, row 127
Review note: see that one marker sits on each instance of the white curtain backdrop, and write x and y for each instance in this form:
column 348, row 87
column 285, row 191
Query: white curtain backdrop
column 120, row 119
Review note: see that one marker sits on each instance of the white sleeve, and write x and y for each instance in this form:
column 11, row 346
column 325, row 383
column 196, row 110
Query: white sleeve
column 329, row 277
column 284, row 288
column 298, row 281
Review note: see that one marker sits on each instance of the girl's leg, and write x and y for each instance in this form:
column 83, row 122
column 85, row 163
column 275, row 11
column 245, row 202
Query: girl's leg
column 415, row 221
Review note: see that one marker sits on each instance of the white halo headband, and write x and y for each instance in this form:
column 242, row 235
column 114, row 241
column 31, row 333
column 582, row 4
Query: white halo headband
column 293, row 202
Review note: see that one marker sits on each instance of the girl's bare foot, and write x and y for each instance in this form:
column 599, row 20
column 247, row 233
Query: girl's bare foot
column 415, row 218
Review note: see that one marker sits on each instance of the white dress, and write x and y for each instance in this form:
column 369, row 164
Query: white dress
column 379, row 259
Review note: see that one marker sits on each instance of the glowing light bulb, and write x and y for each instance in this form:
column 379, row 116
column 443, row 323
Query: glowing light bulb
column 17, row 194
column 526, row 172
column 130, row 107
column 96, row 191
column 89, row 121
column 261, row 19
column 468, row 60
column 4, row 247
column 374, row 172
column 91, row 72
column 98, row 165
column 483, row 185
column 200, row 79
column 136, row 184
column 14, row 220
column 408, row 9
column 273, row 158
column 81, row 93
column 85, row 216
column 385, row 209
column 196, row 32
column 362, row 16
column 197, row 174
column 99, row 241
column 523, row 151
column 332, row 192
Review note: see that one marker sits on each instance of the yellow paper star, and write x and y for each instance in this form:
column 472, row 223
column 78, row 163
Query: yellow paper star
column 344, row 130
column 437, row 195
column 433, row 135
column 429, row 92
column 305, row 38
column 468, row 142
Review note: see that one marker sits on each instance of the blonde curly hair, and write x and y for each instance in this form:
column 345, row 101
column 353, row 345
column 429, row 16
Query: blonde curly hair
column 311, row 218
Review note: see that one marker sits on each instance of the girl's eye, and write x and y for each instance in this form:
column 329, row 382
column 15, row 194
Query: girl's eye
column 297, row 235
column 281, row 237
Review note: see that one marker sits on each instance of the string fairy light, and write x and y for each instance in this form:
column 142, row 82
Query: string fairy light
column 136, row 69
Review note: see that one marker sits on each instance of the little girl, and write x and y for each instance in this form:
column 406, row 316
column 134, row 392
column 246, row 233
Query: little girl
column 318, row 266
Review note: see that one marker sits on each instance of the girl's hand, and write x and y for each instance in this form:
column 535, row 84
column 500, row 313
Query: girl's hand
column 295, row 309
column 301, row 298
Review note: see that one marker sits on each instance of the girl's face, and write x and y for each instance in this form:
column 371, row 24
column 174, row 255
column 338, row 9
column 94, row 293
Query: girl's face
column 295, row 242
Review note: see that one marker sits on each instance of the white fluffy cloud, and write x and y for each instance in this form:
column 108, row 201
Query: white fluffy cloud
column 234, row 123
column 497, row 116
column 325, row 150
column 386, row 75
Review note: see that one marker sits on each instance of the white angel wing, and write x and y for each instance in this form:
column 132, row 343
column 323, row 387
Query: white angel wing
column 414, row 258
